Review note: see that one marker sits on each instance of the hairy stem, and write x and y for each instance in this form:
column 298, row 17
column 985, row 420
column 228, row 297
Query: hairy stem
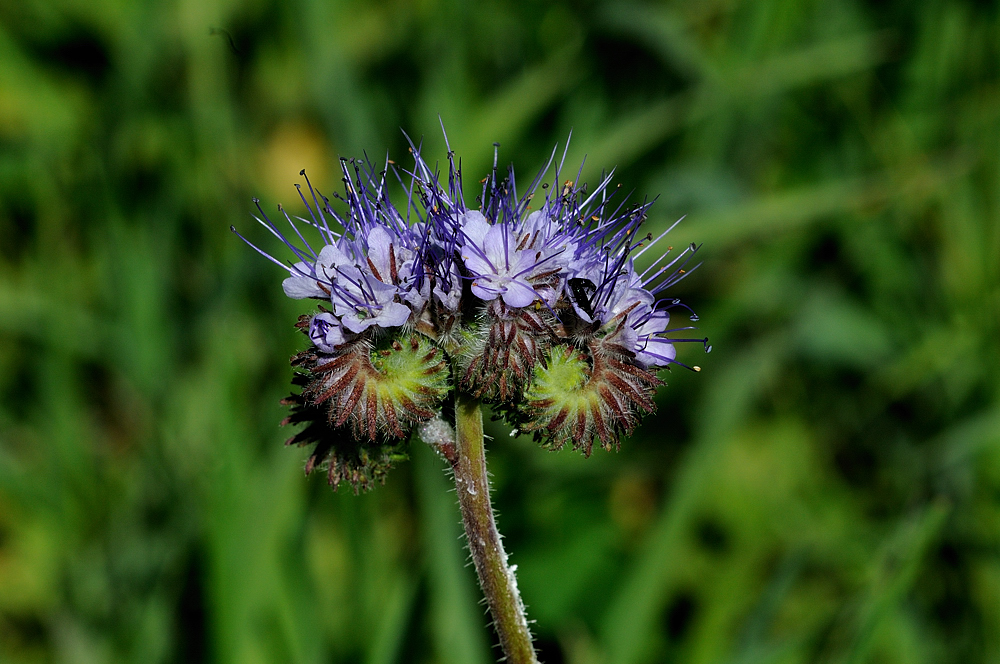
column 495, row 577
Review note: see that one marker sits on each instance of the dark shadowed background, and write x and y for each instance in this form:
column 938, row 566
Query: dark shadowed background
column 827, row 489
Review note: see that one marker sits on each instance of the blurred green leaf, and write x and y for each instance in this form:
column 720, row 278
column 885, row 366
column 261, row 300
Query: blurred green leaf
column 632, row 613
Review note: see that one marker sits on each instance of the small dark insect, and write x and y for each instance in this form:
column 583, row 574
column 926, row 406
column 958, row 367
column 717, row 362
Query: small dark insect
column 583, row 290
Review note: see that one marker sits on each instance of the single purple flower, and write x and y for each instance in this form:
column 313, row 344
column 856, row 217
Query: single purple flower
column 498, row 267
column 374, row 273
column 326, row 332
column 361, row 300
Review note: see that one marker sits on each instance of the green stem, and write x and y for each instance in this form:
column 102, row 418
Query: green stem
column 495, row 577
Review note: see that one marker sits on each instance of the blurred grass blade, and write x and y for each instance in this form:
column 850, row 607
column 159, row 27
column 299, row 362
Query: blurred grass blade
column 894, row 573
column 664, row 31
column 504, row 116
column 633, row 134
column 963, row 442
column 389, row 639
column 753, row 646
column 787, row 210
column 806, row 66
column 632, row 613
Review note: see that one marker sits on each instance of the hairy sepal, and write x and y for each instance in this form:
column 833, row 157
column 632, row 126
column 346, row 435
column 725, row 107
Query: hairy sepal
column 581, row 394
column 378, row 388
column 362, row 464
column 503, row 350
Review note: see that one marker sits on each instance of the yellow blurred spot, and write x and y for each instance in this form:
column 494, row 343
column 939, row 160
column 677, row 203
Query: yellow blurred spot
column 291, row 147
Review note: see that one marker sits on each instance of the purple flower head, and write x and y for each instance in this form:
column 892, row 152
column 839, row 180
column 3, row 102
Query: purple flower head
column 374, row 272
column 574, row 257
column 577, row 251
column 592, row 240
column 530, row 300
column 507, row 252
column 360, row 301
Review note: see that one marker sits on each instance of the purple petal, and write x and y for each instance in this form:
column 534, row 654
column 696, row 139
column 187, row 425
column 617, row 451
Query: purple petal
column 383, row 292
column 298, row 287
column 379, row 242
column 393, row 314
column 657, row 322
column 485, row 289
column 498, row 250
column 477, row 265
column 658, row 352
column 331, row 255
column 474, row 227
column 356, row 324
column 519, row 294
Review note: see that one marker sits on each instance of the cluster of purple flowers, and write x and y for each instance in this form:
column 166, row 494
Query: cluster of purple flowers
column 530, row 300
column 370, row 266
column 379, row 267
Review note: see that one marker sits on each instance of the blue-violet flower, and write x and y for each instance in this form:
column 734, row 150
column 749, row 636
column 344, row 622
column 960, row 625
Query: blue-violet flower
column 542, row 312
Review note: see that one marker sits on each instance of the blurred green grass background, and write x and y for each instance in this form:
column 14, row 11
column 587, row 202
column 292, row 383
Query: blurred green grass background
column 827, row 489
